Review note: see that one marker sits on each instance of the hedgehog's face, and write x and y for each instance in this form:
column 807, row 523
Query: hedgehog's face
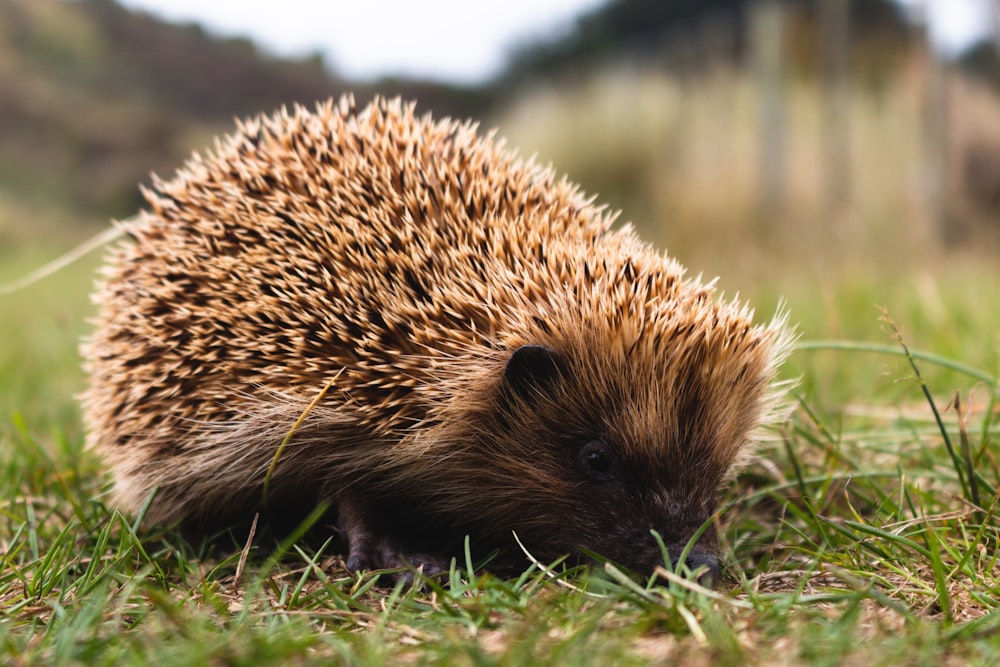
column 612, row 464
column 622, row 511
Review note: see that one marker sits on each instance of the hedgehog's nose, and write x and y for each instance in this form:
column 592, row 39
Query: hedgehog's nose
column 706, row 565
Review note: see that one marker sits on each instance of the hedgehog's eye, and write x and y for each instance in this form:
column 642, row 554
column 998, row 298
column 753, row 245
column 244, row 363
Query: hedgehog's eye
column 598, row 462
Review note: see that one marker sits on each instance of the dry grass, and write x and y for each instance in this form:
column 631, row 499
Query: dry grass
column 683, row 159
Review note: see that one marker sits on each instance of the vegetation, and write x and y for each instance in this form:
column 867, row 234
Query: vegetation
column 865, row 531
column 96, row 97
column 678, row 29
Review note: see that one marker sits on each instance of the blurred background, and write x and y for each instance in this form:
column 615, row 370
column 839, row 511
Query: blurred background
column 829, row 152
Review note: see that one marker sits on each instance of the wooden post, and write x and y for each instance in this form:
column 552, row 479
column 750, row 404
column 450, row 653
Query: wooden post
column 835, row 26
column 995, row 16
column 767, row 30
column 935, row 136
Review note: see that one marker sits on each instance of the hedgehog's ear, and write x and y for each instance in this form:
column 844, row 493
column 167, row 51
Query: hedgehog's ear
column 530, row 367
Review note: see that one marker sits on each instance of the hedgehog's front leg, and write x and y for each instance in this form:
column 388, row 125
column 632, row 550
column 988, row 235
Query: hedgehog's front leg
column 371, row 547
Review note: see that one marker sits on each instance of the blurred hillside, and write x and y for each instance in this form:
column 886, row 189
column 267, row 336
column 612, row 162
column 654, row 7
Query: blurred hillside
column 715, row 123
column 94, row 97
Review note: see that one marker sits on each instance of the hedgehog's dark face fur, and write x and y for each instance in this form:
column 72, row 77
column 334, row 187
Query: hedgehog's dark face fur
column 498, row 359
column 577, row 451
column 600, row 480
column 605, row 468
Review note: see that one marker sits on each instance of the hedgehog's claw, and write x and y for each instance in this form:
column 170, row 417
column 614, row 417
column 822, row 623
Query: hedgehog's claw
column 370, row 549
column 382, row 553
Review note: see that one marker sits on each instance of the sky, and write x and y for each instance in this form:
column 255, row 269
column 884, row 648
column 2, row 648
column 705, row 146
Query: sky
column 462, row 41
column 955, row 24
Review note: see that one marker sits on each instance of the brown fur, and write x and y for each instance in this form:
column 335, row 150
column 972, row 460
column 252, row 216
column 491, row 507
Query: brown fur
column 411, row 260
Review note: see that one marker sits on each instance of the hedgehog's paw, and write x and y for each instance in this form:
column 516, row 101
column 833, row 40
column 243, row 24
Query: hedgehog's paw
column 369, row 548
column 383, row 553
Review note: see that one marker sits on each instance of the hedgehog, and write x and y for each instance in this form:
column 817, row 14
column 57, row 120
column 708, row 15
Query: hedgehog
column 400, row 319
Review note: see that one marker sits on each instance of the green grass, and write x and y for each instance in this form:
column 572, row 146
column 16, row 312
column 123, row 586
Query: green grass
column 853, row 537
column 865, row 531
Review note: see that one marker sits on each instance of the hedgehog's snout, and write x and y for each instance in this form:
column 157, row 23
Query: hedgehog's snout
column 701, row 562
column 646, row 558
column 704, row 565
